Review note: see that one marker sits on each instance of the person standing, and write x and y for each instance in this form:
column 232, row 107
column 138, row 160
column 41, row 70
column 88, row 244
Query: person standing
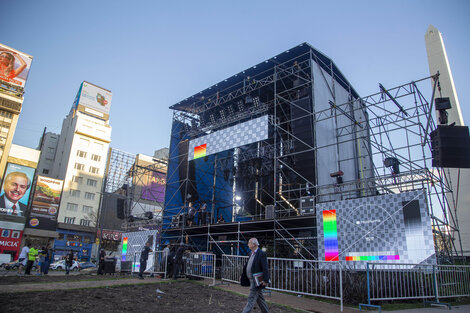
column 68, row 262
column 23, row 258
column 47, row 261
column 41, row 260
column 144, row 255
column 166, row 254
column 101, row 262
column 256, row 269
column 32, row 254
column 202, row 219
column 178, row 260
column 191, row 214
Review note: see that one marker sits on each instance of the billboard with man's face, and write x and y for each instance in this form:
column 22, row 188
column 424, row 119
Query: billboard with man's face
column 93, row 100
column 15, row 191
column 14, row 66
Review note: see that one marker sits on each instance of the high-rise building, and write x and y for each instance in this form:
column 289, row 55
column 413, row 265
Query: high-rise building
column 14, row 69
column 80, row 160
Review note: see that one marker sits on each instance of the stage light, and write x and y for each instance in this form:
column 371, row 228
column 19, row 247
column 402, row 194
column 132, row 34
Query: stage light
column 238, row 198
column 394, row 164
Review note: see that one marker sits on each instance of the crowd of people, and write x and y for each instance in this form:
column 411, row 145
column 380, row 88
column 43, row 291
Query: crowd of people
column 31, row 254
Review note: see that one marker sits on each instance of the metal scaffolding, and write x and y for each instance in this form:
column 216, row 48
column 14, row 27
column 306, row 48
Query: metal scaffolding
column 387, row 133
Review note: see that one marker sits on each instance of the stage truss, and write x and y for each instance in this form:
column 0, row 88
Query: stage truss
column 399, row 121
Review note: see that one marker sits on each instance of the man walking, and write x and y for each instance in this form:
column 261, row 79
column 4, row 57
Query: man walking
column 23, row 259
column 144, row 255
column 256, row 269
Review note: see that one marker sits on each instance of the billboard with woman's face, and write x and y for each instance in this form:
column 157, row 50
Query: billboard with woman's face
column 14, row 66
column 15, row 191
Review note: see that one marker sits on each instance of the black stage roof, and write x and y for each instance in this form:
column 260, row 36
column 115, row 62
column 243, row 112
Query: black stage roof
column 301, row 52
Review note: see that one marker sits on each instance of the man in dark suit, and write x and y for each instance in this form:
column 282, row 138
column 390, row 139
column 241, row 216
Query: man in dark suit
column 15, row 186
column 256, row 269
column 144, row 255
column 178, row 261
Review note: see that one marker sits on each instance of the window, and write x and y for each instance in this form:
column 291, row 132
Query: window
column 89, row 196
column 91, row 182
column 81, row 154
column 44, row 171
column 96, row 157
column 50, row 149
column 87, row 209
column 85, row 222
column 69, row 220
column 74, row 193
column 80, row 166
column 77, row 179
column 94, row 170
column 49, row 159
column 62, row 236
column 72, row 207
column 84, row 142
column 98, row 146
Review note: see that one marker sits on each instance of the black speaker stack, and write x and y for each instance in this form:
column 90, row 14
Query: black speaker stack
column 450, row 146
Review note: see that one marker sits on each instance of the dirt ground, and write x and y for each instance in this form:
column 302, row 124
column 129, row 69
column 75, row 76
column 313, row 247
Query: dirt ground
column 180, row 296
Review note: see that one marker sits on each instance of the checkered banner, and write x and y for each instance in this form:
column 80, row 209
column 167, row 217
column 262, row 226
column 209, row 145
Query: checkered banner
column 392, row 228
column 228, row 138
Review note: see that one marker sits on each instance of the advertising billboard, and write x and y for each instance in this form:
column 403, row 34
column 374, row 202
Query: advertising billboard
column 154, row 188
column 93, row 100
column 45, row 206
column 14, row 66
column 14, row 195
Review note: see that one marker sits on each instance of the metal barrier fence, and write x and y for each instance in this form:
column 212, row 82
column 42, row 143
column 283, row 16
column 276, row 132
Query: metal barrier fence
column 306, row 277
column 156, row 263
column 200, row 264
column 412, row 281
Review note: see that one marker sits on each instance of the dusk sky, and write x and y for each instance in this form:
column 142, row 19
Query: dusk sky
column 153, row 54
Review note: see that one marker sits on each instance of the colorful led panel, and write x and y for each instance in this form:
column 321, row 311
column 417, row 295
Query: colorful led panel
column 330, row 235
column 372, row 258
column 200, row 151
column 124, row 248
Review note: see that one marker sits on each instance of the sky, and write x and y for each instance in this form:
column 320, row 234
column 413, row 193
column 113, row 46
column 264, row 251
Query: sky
column 153, row 54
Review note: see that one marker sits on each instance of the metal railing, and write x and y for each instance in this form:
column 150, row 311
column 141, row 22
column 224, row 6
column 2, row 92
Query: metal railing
column 306, row 277
column 200, row 264
column 413, row 281
column 160, row 263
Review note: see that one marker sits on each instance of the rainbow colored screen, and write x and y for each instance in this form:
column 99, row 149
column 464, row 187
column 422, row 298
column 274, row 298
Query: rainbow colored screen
column 372, row 257
column 200, row 151
column 330, row 234
column 124, row 248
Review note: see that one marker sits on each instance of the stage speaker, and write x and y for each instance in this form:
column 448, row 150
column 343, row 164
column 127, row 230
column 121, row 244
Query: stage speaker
column 450, row 146
column 269, row 214
column 120, row 205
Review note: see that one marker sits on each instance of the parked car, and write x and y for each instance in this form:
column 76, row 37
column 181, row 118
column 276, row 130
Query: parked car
column 60, row 265
column 84, row 265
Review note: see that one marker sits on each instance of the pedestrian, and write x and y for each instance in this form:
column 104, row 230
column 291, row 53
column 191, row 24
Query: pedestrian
column 143, row 259
column 171, row 262
column 178, row 260
column 41, row 260
column 47, row 261
column 32, row 254
column 256, row 270
column 101, row 262
column 202, row 215
column 23, row 258
column 68, row 262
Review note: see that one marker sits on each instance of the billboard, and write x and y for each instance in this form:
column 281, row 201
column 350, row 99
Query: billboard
column 154, row 188
column 14, row 195
column 45, row 206
column 391, row 228
column 93, row 100
column 14, row 66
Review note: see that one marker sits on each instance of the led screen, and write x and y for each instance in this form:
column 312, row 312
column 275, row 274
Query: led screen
column 392, row 228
